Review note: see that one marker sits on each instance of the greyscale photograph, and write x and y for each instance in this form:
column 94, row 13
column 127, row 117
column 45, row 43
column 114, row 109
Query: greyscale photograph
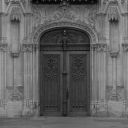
column 63, row 63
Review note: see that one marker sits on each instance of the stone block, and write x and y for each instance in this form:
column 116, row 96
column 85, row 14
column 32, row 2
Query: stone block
column 14, row 108
column 99, row 109
column 116, row 108
column 2, row 112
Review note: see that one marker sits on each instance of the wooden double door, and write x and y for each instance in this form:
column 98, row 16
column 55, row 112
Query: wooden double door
column 64, row 79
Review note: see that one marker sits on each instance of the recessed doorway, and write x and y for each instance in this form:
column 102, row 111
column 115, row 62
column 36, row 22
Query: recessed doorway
column 64, row 71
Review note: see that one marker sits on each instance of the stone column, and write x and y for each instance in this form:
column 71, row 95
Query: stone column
column 30, row 78
column 94, row 72
column 99, row 77
column 27, row 55
column 35, row 73
column 3, row 52
column 102, row 48
column 114, row 56
column 125, row 68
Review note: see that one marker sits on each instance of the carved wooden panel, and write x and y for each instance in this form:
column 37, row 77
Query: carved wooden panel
column 64, row 75
column 78, row 82
column 50, row 82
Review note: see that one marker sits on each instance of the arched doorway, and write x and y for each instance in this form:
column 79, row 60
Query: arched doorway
column 64, row 72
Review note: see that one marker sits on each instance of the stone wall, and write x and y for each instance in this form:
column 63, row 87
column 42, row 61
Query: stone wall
column 107, row 25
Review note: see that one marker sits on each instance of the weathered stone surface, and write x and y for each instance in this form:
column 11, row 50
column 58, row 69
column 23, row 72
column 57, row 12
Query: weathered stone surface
column 14, row 108
column 21, row 26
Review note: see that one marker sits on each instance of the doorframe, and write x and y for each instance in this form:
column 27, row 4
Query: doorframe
column 41, row 29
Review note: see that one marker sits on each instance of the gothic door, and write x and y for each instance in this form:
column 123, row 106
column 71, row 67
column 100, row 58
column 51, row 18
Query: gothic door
column 64, row 73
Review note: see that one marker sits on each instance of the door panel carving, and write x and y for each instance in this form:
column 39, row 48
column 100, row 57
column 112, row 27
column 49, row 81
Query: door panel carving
column 64, row 75
column 50, row 82
column 78, row 82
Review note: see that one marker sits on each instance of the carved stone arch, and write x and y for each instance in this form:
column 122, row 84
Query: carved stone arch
column 41, row 29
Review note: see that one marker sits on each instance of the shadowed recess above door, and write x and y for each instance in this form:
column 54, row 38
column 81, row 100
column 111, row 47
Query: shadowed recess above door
column 64, row 1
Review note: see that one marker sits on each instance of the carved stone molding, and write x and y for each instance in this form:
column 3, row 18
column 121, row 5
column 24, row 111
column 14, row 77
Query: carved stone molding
column 123, row 1
column 3, row 40
column 15, row 14
column 13, row 1
column 14, row 93
column 113, row 14
column 3, row 47
column 45, row 15
column 100, row 47
column 29, row 47
column 42, row 28
column 114, row 54
column 105, row 1
column 15, row 54
column 125, row 47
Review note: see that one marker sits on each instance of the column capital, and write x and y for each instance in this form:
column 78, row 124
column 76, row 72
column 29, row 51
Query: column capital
column 114, row 54
column 125, row 47
column 29, row 47
column 100, row 47
column 3, row 47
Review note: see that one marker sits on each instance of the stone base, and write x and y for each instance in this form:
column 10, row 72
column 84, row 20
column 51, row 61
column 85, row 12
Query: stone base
column 3, row 112
column 14, row 109
column 111, row 108
column 99, row 109
column 116, row 109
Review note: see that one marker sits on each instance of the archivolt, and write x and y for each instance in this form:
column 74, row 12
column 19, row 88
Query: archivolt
column 41, row 29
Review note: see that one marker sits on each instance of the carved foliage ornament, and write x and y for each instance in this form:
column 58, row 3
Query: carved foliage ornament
column 3, row 47
column 78, row 67
column 15, row 14
column 29, row 47
column 14, row 1
column 125, row 47
column 99, row 47
column 114, row 1
column 113, row 14
column 43, row 28
column 51, row 67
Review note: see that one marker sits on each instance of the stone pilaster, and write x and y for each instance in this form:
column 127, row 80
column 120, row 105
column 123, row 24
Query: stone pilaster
column 99, row 77
column 94, row 72
column 102, row 48
column 114, row 56
column 35, row 73
column 125, row 66
column 99, row 70
column 27, row 55
column 30, row 53
column 3, row 52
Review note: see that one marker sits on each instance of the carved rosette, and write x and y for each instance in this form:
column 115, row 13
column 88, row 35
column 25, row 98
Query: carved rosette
column 125, row 47
column 29, row 47
column 99, row 47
